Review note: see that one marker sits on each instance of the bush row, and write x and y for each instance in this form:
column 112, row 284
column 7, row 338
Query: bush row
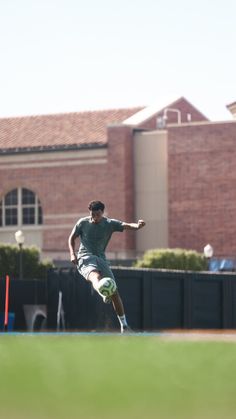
column 33, row 267
column 181, row 259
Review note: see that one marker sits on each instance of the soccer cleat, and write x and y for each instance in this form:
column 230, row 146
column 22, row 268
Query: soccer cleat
column 126, row 329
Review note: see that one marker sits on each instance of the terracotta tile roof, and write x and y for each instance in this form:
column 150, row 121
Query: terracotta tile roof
column 231, row 104
column 80, row 129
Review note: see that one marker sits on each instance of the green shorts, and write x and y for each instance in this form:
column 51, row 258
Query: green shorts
column 87, row 264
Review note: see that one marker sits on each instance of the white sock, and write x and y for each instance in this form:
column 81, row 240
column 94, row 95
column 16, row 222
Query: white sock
column 122, row 320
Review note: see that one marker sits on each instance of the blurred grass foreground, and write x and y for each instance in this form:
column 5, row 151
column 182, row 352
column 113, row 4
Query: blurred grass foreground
column 82, row 376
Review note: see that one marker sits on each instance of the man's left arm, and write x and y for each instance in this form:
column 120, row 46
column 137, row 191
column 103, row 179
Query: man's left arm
column 134, row 226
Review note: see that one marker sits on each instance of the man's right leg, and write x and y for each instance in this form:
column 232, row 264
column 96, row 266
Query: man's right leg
column 94, row 277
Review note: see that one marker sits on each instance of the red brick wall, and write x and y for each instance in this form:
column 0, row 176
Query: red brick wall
column 68, row 190
column 61, row 190
column 120, row 197
column 202, row 187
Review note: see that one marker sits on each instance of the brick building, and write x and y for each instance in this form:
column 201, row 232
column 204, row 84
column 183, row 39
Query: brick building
column 170, row 166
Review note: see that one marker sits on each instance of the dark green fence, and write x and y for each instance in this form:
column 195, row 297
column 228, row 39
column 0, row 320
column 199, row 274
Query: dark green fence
column 22, row 294
column 153, row 300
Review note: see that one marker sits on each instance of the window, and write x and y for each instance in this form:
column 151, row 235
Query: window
column 20, row 207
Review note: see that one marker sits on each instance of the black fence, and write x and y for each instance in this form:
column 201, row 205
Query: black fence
column 153, row 300
column 22, row 294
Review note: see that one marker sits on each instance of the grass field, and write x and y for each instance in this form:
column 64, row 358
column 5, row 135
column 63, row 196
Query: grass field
column 135, row 377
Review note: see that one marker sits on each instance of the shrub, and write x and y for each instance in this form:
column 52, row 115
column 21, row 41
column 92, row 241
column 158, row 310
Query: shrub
column 180, row 259
column 33, row 267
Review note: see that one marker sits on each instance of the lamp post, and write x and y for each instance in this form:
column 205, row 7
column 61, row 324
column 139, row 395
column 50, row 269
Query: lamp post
column 20, row 239
column 208, row 253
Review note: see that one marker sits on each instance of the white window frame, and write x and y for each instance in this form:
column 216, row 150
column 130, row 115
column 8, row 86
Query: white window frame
column 20, row 207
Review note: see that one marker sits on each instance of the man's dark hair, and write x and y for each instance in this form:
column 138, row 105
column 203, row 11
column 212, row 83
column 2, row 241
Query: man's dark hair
column 96, row 206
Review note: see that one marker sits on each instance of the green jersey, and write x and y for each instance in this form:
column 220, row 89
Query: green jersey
column 94, row 237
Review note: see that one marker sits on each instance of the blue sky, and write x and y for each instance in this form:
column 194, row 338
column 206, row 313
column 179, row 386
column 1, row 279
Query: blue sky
column 73, row 55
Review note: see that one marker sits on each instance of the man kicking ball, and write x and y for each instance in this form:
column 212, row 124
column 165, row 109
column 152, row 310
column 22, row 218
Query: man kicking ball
column 94, row 233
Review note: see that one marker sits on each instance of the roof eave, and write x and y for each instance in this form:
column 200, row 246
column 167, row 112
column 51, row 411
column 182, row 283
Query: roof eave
column 42, row 149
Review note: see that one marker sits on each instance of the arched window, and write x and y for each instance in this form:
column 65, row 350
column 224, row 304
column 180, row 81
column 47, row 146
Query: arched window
column 20, row 207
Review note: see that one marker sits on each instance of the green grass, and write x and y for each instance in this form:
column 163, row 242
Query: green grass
column 135, row 377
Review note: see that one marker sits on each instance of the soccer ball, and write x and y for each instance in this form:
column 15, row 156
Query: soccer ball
column 107, row 286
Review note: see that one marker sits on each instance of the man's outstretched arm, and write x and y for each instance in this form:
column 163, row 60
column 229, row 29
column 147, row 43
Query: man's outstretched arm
column 71, row 244
column 134, row 226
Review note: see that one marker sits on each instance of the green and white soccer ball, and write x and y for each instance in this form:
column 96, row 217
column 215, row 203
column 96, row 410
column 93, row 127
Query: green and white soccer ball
column 107, row 286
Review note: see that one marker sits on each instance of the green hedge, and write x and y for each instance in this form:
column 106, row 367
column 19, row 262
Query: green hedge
column 180, row 259
column 32, row 267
